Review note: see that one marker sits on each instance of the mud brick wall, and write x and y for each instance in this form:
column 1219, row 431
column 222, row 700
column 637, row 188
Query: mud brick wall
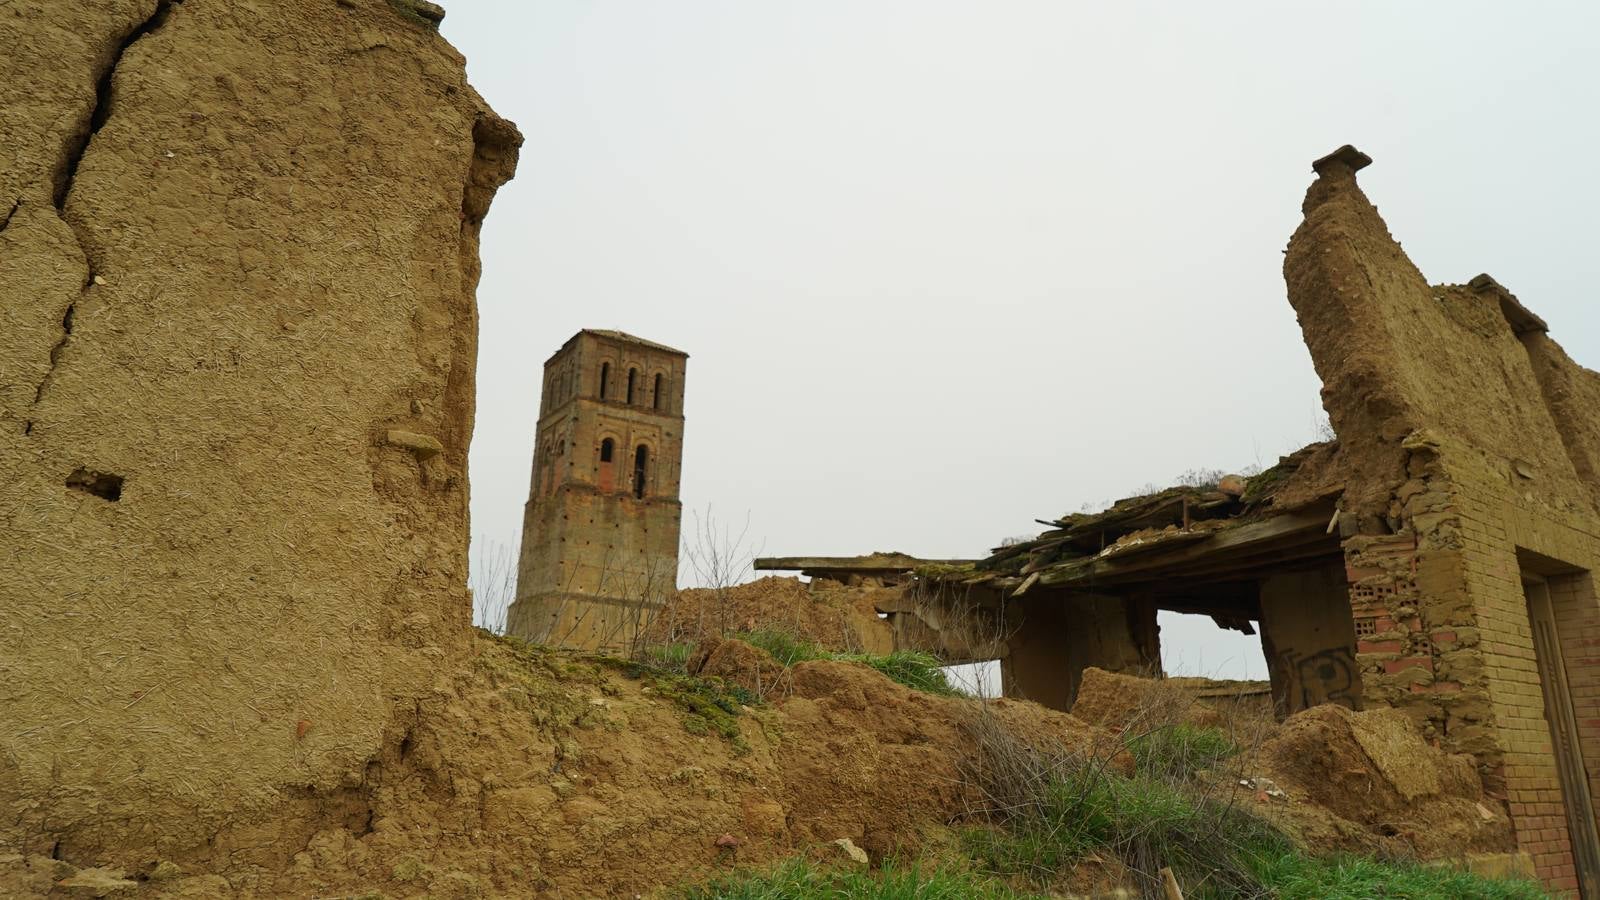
column 1061, row 634
column 237, row 351
column 1307, row 636
column 1470, row 443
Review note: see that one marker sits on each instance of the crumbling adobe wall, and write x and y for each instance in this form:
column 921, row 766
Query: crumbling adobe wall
column 238, row 249
column 1307, row 636
column 1053, row 636
column 1470, row 443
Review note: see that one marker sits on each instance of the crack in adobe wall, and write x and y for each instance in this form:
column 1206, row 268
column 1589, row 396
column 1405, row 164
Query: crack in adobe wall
column 55, row 352
column 6, row 222
column 101, row 112
column 67, row 178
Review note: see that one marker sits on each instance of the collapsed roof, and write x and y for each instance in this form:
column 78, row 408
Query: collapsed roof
column 1226, row 528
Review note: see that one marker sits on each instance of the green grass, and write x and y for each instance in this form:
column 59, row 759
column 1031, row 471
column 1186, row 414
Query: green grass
column 1179, row 751
column 916, row 670
column 668, row 657
column 710, row 705
column 784, row 647
column 1294, row 876
column 1145, row 821
column 1286, row 875
column 800, row 880
column 1217, row 849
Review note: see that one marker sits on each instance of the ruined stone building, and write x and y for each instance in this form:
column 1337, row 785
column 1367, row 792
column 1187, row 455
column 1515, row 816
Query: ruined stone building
column 600, row 528
column 1437, row 557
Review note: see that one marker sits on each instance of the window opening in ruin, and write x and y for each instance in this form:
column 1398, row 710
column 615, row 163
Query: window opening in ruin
column 606, row 450
column 633, row 377
column 980, row 679
column 1194, row 645
column 655, row 393
column 641, row 459
column 605, row 376
column 1557, row 608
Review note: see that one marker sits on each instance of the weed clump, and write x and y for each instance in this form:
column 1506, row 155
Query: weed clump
column 801, row 880
column 1048, row 813
column 1177, row 752
column 710, row 705
column 1147, row 823
column 914, row 669
column 667, row 657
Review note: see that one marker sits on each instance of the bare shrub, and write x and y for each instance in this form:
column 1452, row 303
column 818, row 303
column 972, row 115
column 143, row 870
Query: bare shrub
column 719, row 558
column 1050, row 808
column 493, row 582
column 637, row 593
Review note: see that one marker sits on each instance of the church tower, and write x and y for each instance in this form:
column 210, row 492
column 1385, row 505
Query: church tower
column 600, row 529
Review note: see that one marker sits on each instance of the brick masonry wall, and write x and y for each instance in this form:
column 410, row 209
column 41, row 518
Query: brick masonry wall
column 1442, row 631
column 1492, row 520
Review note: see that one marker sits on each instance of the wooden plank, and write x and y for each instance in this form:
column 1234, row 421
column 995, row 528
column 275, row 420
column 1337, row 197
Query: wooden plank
column 1169, row 885
column 1272, row 558
column 1289, row 529
column 884, row 563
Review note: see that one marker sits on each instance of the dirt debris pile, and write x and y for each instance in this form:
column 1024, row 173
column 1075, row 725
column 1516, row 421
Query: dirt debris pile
column 1368, row 782
column 1364, row 782
column 827, row 613
column 534, row 772
column 1130, row 703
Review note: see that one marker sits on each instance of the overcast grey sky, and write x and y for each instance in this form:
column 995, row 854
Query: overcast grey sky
column 943, row 268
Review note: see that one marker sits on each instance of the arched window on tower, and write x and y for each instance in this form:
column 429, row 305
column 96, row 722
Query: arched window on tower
column 607, row 473
column 605, row 376
column 641, row 462
column 655, row 392
column 633, row 378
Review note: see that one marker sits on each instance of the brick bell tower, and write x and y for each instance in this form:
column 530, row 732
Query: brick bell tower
column 600, row 529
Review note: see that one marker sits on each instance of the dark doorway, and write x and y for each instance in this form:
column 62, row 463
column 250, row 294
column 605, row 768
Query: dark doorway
column 641, row 461
column 1544, row 619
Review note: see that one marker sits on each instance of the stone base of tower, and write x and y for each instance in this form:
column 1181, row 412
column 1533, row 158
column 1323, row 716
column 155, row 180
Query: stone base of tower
column 583, row 621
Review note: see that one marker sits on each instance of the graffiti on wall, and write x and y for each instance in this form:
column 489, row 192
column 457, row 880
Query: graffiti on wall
column 1327, row 676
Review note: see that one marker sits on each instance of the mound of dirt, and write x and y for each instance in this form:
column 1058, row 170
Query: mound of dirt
column 832, row 615
column 1357, row 781
column 1367, row 780
column 531, row 772
column 739, row 663
column 1130, row 703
